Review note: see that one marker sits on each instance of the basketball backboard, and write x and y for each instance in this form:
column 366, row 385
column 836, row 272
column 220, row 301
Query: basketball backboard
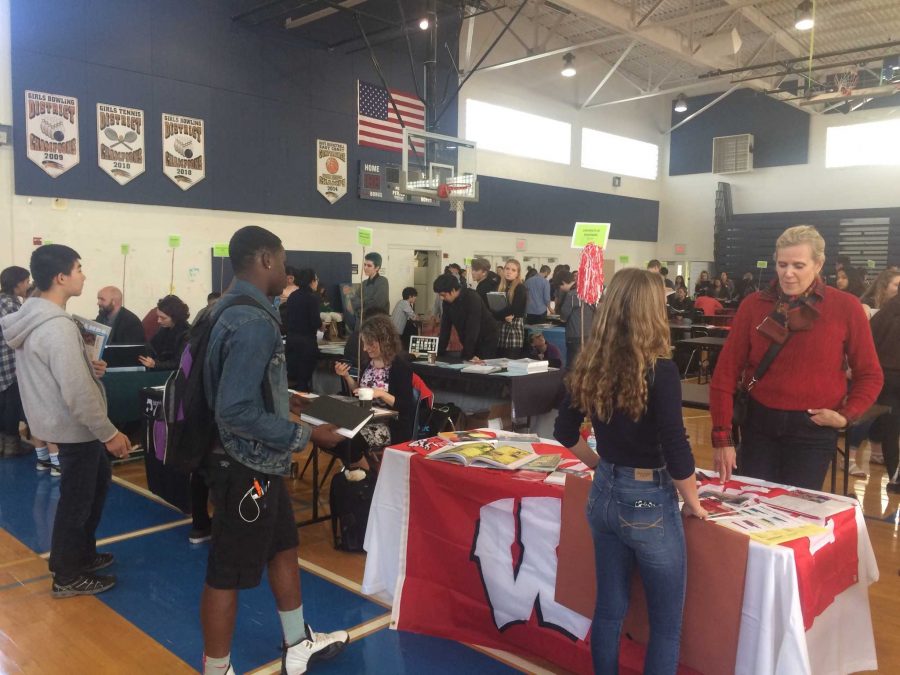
column 438, row 166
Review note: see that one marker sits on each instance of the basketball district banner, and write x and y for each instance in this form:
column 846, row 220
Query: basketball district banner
column 331, row 169
column 51, row 126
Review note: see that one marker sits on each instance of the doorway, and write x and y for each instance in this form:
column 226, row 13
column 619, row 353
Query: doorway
column 417, row 268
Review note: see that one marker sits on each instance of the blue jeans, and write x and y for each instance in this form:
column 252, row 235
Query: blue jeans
column 637, row 521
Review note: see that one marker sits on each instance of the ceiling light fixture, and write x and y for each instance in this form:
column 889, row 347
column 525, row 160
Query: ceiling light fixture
column 423, row 23
column 803, row 16
column 568, row 65
column 681, row 104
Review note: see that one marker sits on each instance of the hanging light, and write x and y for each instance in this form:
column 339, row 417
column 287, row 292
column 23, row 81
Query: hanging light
column 803, row 16
column 681, row 104
column 423, row 23
column 568, row 65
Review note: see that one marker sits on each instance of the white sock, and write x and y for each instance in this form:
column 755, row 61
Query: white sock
column 54, row 459
column 213, row 666
column 293, row 626
column 43, row 454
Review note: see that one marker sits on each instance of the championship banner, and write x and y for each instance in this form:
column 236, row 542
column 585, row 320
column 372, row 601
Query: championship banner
column 120, row 142
column 331, row 169
column 492, row 546
column 51, row 125
column 184, row 160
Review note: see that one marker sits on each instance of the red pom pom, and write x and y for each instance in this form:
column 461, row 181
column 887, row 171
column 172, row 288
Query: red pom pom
column 443, row 191
column 590, row 274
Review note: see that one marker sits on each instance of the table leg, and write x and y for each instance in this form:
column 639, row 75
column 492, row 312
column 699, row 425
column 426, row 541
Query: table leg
column 316, row 518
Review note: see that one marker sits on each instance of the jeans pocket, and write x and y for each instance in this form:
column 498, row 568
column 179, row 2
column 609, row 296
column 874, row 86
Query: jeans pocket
column 641, row 517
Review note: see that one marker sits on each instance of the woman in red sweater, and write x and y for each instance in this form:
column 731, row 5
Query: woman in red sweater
column 801, row 401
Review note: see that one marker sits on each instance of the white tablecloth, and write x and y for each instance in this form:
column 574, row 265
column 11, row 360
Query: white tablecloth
column 772, row 639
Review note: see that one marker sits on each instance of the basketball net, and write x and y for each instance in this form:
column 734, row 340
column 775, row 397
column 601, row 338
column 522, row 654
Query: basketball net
column 846, row 81
column 455, row 194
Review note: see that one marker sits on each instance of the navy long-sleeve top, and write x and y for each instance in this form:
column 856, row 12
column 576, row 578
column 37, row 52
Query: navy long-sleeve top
column 657, row 439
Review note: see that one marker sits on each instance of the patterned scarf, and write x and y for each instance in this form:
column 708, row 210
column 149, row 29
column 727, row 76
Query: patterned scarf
column 792, row 312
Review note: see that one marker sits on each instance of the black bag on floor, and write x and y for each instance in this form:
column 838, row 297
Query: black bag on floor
column 350, row 502
column 444, row 417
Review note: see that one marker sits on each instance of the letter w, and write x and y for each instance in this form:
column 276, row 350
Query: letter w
column 516, row 588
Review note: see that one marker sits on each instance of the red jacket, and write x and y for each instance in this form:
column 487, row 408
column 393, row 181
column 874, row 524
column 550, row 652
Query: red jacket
column 809, row 372
column 707, row 305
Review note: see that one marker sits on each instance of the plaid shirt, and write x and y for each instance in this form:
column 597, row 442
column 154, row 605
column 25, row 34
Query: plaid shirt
column 8, row 305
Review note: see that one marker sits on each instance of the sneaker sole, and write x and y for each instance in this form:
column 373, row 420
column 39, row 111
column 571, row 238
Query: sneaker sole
column 72, row 594
column 201, row 540
column 323, row 655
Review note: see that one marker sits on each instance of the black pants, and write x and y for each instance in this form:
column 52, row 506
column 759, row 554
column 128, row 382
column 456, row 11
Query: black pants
column 85, row 479
column 889, row 425
column 10, row 409
column 410, row 330
column 572, row 349
column 200, row 502
column 786, row 447
column 536, row 318
column 301, row 355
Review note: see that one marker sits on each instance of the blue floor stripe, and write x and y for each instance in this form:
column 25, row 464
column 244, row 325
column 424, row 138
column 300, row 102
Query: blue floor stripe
column 160, row 578
column 392, row 652
column 28, row 500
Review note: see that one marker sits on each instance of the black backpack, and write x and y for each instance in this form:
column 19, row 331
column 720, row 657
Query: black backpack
column 350, row 502
column 184, row 429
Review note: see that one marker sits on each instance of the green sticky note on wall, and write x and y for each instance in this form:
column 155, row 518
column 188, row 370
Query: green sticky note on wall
column 587, row 233
column 174, row 240
column 762, row 264
column 623, row 259
column 125, row 248
column 870, row 264
column 364, row 236
column 220, row 250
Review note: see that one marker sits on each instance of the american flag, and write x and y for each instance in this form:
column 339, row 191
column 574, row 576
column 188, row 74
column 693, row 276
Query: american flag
column 378, row 125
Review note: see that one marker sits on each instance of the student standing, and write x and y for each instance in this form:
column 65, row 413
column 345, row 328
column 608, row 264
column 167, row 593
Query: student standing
column 578, row 315
column 13, row 286
column 626, row 382
column 538, row 290
column 486, row 279
column 66, row 404
column 375, row 289
column 511, row 318
column 302, row 322
column 464, row 310
column 253, row 525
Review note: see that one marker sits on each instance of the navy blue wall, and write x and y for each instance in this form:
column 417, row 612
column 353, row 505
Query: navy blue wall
column 780, row 131
column 265, row 96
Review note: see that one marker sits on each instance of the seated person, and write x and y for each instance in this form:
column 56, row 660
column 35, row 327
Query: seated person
column 541, row 350
column 327, row 313
column 404, row 316
column 706, row 304
column 168, row 343
column 126, row 327
column 351, row 349
column 464, row 310
column 390, row 376
column 679, row 302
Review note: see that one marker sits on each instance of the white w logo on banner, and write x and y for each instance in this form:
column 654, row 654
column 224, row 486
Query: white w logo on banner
column 515, row 588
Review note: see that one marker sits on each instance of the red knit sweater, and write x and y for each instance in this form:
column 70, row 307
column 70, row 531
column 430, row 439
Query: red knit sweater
column 809, row 370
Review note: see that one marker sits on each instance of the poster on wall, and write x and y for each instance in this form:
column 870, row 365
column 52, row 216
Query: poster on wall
column 51, row 124
column 120, row 142
column 184, row 159
column 331, row 169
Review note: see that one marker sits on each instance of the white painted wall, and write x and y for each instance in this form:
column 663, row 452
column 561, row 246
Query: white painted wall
column 687, row 203
column 96, row 229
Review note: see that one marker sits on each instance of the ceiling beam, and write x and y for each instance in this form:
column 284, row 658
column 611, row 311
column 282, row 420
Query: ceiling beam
column 609, row 74
column 784, row 39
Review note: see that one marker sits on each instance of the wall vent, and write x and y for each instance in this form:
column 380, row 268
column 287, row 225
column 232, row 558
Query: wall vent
column 732, row 154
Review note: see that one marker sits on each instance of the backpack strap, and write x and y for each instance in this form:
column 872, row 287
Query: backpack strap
column 767, row 360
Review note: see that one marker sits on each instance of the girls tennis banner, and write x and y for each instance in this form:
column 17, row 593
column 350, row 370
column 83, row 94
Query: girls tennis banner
column 120, row 142
column 51, row 126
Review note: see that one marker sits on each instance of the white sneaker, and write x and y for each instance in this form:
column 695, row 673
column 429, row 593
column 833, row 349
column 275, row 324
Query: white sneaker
column 876, row 458
column 857, row 471
column 316, row 647
column 355, row 475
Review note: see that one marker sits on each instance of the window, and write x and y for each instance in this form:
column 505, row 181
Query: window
column 618, row 154
column 870, row 144
column 513, row 132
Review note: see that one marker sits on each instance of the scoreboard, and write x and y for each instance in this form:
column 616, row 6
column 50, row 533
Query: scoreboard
column 381, row 182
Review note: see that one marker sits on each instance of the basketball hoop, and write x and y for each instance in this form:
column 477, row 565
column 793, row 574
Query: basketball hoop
column 449, row 192
column 846, row 82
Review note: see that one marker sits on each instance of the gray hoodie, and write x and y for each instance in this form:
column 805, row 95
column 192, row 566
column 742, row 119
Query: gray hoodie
column 63, row 399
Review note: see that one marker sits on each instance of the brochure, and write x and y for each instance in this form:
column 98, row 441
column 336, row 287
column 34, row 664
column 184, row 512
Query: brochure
column 809, row 504
column 95, row 336
column 558, row 477
column 543, row 463
column 490, row 454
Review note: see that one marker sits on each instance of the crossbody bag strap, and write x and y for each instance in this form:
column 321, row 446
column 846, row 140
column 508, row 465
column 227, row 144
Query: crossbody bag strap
column 763, row 366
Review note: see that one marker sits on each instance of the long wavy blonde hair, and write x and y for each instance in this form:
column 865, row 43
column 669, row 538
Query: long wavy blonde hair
column 630, row 333
column 509, row 287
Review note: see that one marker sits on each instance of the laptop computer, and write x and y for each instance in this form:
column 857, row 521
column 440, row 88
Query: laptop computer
column 124, row 356
column 420, row 346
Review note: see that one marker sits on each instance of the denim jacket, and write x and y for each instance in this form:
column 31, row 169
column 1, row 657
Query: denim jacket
column 244, row 366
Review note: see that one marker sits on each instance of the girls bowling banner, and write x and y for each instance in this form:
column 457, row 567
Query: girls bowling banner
column 120, row 142
column 184, row 157
column 51, row 127
column 331, row 169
